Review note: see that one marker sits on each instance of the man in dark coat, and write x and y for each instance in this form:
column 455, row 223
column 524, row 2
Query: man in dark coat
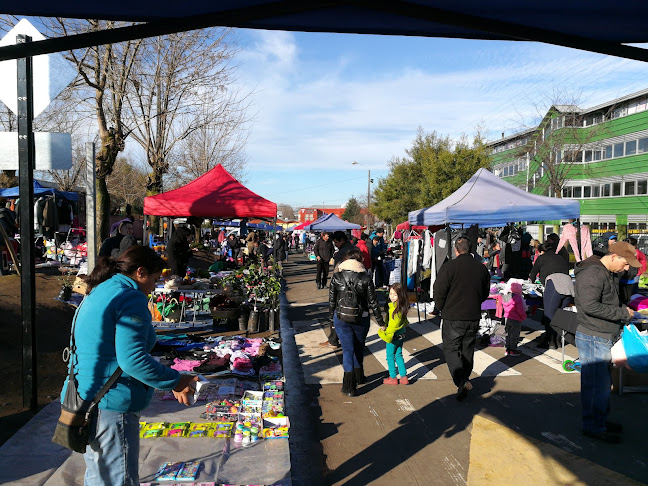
column 323, row 252
column 600, row 315
column 459, row 290
column 178, row 251
column 343, row 245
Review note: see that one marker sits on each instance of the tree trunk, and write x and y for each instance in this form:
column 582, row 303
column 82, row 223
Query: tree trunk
column 153, row 187
column 102, row 211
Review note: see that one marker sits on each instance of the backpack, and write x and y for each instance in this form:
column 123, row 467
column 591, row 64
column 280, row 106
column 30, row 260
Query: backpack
column 348, row 307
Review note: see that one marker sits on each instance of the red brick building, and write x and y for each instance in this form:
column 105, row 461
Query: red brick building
column 311, row 214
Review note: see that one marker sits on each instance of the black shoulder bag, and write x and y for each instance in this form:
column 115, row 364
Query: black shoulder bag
column 72, row 428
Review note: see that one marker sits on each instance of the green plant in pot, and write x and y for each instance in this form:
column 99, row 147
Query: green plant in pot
column 67, row 282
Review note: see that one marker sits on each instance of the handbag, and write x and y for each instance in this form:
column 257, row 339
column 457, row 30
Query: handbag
column 73, row 426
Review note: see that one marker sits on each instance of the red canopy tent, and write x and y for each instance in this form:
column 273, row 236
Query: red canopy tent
column 406, row 226
column 215, row 194
column 301, row 226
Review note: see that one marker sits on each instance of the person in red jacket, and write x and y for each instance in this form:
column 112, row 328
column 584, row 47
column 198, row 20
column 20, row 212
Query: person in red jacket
column 362, row 246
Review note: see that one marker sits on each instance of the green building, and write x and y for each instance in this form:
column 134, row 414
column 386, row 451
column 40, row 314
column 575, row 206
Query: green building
column 598, row 156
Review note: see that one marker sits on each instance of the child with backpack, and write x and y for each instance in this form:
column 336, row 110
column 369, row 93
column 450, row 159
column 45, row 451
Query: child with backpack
column 394, row 334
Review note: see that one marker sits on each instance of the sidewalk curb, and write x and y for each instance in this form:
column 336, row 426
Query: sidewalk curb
column 304, row 445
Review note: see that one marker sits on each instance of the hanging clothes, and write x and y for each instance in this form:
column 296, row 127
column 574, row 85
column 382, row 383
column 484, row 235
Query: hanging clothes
column 50, row 217
column 428, row 251
column 412, row 258
column 568, row 233
column 586, row 242
column 440, row 248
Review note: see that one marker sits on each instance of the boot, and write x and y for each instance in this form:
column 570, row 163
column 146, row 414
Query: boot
column 349, row 384
column 360, row 377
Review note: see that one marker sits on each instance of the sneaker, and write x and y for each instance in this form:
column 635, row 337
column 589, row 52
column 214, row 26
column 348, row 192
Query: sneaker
column 403, row 381
column 390, row 381
column 326, row 344
column 603, row 436
column 511, row 352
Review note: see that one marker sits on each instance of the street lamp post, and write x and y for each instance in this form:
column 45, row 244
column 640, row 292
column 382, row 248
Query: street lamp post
column 368, row 191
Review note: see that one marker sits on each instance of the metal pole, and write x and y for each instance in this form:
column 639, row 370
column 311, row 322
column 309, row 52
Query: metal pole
column 368, row 196
column 449, row 235
column 26, row 161
column 91, row 205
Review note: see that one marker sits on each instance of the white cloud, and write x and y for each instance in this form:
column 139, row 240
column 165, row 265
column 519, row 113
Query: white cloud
column 320, row 114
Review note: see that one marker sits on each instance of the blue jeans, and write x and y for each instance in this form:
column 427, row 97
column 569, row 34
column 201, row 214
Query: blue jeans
column 594, row 354
column 112, row 457
column 395, row 358
column 352, row 338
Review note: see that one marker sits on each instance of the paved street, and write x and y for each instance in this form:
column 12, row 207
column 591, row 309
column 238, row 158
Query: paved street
column 519, row 425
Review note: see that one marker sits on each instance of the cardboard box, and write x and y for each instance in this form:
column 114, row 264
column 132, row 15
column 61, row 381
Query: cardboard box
column 632, row 381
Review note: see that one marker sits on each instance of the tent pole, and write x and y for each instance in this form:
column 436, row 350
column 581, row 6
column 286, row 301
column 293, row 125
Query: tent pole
column 145, row 236
column 449, row 236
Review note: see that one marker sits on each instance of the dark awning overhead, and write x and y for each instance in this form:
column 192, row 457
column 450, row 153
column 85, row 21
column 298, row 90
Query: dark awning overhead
column 594, row 25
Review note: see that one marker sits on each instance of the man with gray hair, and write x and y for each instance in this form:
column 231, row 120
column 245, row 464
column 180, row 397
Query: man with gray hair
column 459, row 290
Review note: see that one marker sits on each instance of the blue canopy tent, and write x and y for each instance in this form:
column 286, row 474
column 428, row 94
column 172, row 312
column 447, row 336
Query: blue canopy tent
column 12, row 192
column 487, row 200
column 330, row 222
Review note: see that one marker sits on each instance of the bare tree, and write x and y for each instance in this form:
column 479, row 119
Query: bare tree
column 287, row 211
column 104, row 75
column 560, row 144
column 127, row 183
column 181, row 103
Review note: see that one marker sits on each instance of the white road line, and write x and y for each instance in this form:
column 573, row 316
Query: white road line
column 415, row 369
column 484, row 363
column 549, row 357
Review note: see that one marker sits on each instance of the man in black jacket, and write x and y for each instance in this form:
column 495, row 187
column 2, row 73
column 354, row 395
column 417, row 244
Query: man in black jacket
column 599, row 319
column 459, row 290
column 323, row 252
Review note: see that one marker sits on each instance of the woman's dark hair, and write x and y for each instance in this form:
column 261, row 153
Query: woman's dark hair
column 540, row 248
column 632, row 240
column 127, row 263
column 551, row 243
column 355, row 254
column 402, row 303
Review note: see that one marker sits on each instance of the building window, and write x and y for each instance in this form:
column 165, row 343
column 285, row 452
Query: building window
column 642, row 186
column 598, row 154
column 618, row 149
column 642, row 145
column 596, row 191
column 587, row 191
column 629, row 188
column 606, row 190
column 608, row 152
column 588, row 156
column 616, row 189
column 567, row 191
column 631, row 147
column 577, row 191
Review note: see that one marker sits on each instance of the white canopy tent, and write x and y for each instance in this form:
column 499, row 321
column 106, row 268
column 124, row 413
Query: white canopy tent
column 489, row 201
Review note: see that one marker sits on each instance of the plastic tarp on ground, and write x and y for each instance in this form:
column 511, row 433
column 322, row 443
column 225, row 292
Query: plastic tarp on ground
column 488, row 200
column 330, row 222
column 39, row 190
column 214, row 194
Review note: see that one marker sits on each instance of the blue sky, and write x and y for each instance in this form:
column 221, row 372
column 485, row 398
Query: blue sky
column 322, row 101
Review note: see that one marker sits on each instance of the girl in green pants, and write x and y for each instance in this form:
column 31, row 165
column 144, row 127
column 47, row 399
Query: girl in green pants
column 394, row 334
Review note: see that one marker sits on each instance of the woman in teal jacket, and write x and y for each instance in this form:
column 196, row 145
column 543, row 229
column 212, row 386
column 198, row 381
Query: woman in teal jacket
column 113, row 328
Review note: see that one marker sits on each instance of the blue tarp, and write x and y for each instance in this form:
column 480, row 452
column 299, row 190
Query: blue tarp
column 39, row 190
column 487, row 200
column 330, row 222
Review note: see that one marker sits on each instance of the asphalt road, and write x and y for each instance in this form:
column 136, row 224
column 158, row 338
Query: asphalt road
column 519, row 425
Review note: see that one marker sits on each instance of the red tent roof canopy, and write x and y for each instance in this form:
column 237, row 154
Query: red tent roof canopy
column 215, row 194
column 406, row 226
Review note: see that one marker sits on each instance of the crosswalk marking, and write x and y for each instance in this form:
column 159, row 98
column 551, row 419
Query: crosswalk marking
column 484, row 364
column 414, row 367
column 324, row 365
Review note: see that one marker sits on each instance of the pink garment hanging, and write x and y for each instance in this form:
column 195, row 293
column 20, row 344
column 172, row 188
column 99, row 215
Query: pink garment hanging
column 586, row 242
column 568, row 233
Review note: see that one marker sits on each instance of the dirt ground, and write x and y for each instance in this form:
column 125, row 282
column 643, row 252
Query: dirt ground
column 53, row 323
